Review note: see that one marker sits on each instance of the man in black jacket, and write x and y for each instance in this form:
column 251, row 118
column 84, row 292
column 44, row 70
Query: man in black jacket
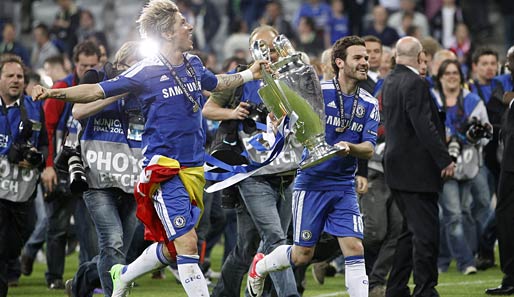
column 505, row 204
column 416, row 159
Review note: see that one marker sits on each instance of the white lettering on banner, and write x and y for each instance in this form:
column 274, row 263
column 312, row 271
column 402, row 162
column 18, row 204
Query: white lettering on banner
column 126, row 180
column 9, row 185
column 104, row 161
column 108, row 125
column 283, row 158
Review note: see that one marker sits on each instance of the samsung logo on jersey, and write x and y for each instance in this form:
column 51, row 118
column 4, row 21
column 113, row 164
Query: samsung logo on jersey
column 176, row 90
column 336, row 121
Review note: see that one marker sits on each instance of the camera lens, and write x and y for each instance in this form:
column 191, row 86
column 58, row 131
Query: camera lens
column 78, row 181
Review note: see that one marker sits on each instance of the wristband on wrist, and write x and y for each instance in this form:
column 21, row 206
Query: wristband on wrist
column 247, row 75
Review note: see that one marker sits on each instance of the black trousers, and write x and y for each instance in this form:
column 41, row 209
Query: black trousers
column 505, row 222
column 16, row 224
column 418, row 245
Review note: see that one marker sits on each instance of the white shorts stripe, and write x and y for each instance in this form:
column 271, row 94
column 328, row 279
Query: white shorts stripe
column 298, row 220
column 162, row 212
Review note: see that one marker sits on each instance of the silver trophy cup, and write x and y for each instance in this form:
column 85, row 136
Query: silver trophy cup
column 294, row 90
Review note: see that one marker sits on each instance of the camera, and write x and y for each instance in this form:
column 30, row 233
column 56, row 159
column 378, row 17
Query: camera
column 454, row 148
column 478, row 130
column 258, row 113
column 69, row 160
column 22, row 149
column 230, row 197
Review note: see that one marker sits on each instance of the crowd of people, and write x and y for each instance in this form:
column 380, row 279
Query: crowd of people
column 111, row 155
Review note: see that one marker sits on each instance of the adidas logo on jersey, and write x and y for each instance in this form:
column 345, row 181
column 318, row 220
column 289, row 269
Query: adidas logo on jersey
column 332, row 104
column 164, row 78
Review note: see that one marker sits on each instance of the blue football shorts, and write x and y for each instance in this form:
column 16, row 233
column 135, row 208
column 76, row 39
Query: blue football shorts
column 335, row 212
column 173, row 206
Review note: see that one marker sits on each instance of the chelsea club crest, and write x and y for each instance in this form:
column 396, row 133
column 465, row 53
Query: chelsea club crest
column 360, row 111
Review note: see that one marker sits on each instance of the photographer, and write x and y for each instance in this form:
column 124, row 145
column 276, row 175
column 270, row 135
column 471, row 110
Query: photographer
column 467, row 130
column 23, row 144
column 61, row 203
column 264, row 210
column 111, row 153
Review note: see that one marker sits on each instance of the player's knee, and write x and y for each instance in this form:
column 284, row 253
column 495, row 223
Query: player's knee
column 301, row 255
column 187, row 243
column 352, row 246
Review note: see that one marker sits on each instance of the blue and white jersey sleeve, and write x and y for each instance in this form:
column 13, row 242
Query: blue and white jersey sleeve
column 132, row 80
column 208, row 79
column 369, row 133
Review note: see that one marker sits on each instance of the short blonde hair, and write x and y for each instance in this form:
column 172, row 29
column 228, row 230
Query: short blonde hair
column 130, row 50
column 157, row 16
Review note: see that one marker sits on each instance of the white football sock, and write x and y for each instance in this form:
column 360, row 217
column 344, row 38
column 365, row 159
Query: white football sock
column 356, row 280
column 191, row 276
column 151, row 259
column 279, row 259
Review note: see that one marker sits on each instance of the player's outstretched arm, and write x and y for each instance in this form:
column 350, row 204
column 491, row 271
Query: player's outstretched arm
column 231, row 81
column 77, row 94
column 363, row 150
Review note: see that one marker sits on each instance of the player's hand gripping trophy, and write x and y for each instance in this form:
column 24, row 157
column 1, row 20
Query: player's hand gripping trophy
column 294, row 90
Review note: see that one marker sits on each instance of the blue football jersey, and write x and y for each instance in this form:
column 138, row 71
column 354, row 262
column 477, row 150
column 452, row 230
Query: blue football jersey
column 172, row 128
column 339, row 172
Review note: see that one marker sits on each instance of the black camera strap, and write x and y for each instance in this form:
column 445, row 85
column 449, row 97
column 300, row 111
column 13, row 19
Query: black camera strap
column 343, row 126
column 191, row 72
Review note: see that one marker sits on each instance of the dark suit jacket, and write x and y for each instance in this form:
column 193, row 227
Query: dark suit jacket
column 415, row 150
column 368, row 85
column 508, row 140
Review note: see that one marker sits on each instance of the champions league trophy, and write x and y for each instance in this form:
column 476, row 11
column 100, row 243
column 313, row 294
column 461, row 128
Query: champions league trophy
column 294, row 90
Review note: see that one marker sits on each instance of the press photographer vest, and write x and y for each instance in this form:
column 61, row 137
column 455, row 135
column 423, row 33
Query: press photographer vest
column 251, row 147
column 16, row 184
column 110, row 159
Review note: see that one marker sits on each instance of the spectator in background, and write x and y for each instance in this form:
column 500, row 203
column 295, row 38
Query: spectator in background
column 326, row 64
column 249, row 11
column 444, row 23
column 310, row 40
column 430, row 47
column 476, row 15
column 318, row 10
column 423, row 64
column 206, row 23
column 485, row 68
column 413, row 31
column 87, row 30
column 55, row 69
column 62, row 130
column 379, row 27
column 338, row 25
column 386, row 65
column 43, row 47
column 407, row 22
column 274, row 16
column 439, row 57
column 373, row 83
column 419, row 19
column 9, row 44
column 462, row 47
column 458, row 224
column 237, row 41
column 65, row 25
